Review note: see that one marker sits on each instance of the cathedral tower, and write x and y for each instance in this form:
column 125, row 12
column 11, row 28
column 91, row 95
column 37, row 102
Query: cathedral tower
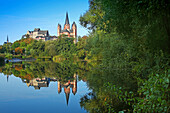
column 67, row 31
column 67, row 25
column 59, row 29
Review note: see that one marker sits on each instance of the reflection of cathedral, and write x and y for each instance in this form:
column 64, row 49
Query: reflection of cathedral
column 67, row 86
column 37, row 83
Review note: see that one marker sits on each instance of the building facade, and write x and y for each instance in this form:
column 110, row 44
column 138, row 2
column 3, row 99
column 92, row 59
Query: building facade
column 66, row 30
column 38, row 34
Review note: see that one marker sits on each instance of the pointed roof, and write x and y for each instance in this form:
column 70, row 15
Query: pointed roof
column 59, row 25
column 67, row 97
column 7, row 39
column 67, row 20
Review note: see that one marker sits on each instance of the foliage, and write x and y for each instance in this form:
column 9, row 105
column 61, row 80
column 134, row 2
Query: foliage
column 18, row 50
column 132, row 36
column 23, row 44
column 51, row 49
column 155, row 94
column 2, row 49
column 10, row 48
column 8, row 56
column 15, row 45
column 2, row 62
column 63, row 71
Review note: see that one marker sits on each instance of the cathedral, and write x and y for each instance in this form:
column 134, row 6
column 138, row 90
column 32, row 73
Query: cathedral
column 39, row 34
column 67, row 31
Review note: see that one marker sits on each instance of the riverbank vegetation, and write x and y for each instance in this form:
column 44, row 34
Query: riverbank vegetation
column 2, row 62
column 133, row 39
column 29, row 47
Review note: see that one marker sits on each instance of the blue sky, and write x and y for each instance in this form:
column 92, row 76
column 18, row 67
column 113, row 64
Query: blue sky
column 19, row 16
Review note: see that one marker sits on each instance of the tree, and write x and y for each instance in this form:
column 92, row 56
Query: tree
column 23, row 44
column 1, row 49
column 15, row 45
column 51, row 49
column 18, row 50
column 92, row 18
column 133, row 36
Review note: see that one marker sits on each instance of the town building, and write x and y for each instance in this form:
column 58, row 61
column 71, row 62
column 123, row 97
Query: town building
column 38, row 34
column 66, row 30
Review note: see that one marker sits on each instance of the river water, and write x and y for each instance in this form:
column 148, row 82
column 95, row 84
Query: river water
column 29, row 88
column 67, row 87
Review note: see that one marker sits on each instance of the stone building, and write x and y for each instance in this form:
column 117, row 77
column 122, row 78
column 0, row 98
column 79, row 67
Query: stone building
column 38, row 34
column 66, row 30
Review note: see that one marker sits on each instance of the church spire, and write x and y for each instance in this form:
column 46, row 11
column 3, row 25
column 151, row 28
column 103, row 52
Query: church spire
column 67, row 20
column 7, row 39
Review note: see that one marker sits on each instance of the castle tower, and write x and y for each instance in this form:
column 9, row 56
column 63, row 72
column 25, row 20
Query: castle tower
column 67, row 31
column 67, row 25
column 74, row 28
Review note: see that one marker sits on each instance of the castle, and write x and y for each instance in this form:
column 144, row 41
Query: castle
column 44, row 34
column 38, row 34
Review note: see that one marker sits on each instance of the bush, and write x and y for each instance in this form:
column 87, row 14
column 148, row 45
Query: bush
column 155, row 91
column 8, row 56
column 2, row 61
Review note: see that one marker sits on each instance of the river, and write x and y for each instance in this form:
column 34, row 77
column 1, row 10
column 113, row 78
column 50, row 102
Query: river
column 68, row 87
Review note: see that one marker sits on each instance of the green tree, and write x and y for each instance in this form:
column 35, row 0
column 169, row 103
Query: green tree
column 15, row 45
column 130, row 35
column 51, row 49
column 23, row 44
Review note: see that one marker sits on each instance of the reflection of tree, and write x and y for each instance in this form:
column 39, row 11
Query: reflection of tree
column 2, row 60
column 6, row 70
column 62, row 71
column 103, row 99
column 40, row 74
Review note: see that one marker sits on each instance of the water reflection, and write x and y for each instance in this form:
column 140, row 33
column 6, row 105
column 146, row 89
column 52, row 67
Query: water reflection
column 40, row 75
column 66, row 79
column 67, row 86
column 37, row 83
